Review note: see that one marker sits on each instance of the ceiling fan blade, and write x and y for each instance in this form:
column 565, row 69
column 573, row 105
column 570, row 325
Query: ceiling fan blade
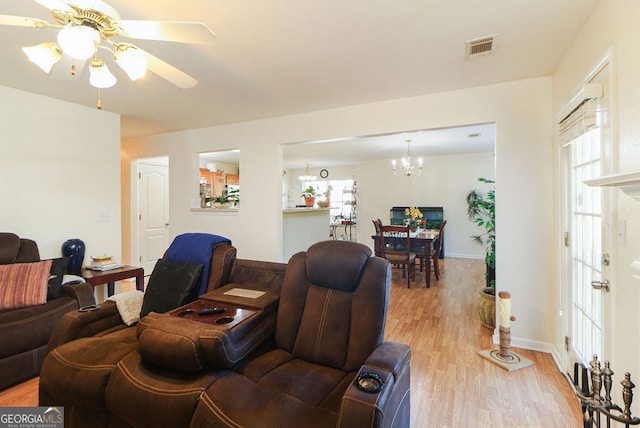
column 168, row 71
column 55, row 5
column 169, row 31
column 22, row 21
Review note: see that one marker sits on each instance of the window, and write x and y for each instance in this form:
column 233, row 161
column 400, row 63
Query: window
column 342, row 196
column 219, row 179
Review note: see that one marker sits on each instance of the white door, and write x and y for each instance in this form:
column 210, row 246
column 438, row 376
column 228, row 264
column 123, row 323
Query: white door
column 588, row 237
column 153, row 205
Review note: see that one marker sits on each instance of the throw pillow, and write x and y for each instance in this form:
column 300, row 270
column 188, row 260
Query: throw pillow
column 169, row 285
column 24, row 284
column 58, row 269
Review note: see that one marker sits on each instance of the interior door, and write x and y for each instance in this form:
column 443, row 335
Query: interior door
column 153, row 213
column 588, row 234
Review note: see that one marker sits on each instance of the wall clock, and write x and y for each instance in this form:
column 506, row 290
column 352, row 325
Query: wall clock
column 324, row 173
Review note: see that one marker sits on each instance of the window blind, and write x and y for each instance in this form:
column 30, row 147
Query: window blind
column 584, row 117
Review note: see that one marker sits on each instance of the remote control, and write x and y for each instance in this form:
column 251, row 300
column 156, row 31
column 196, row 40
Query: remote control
column 211, row 311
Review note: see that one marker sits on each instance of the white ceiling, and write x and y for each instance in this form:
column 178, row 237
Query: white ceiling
column 431, row 142
column 280, row 57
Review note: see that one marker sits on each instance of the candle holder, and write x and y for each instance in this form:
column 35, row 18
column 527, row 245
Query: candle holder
column 504, row 356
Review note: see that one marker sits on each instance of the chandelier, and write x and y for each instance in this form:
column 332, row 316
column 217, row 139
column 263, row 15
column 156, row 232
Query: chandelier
column 307, row 176
column 407, row 168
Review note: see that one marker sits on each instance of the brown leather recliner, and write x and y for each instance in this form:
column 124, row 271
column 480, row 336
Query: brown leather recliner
column 327, row 330
column 87, row 346
column 330, row 328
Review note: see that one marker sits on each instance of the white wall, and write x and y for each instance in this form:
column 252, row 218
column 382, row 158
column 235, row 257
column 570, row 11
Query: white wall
column 615, row 25
column 522, row 113
column 445, row 182
column 59, row 171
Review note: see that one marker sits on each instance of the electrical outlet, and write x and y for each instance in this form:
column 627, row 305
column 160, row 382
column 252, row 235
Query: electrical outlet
column 104, row 216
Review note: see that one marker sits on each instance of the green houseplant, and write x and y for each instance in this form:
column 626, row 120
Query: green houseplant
column 309, row 194
column 227, row 198
column 481, row 210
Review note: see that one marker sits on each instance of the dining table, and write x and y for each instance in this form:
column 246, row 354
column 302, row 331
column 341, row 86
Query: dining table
column 421, row 239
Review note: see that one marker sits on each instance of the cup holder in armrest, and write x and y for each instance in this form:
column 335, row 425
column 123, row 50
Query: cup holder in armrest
column 89, row 308
column 224, row 320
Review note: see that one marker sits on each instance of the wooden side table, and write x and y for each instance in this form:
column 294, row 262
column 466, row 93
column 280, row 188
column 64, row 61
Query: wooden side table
column 109, row 277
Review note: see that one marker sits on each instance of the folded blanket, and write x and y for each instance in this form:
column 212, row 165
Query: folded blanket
column 129, row 305
column 195, row 248
column 72, row 279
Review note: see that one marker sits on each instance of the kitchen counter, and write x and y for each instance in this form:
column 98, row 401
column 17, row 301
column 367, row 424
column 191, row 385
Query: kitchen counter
column 304, row 210
column 303, row 227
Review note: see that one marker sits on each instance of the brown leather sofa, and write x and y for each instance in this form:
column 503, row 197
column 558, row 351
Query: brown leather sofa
column 25, row 332
column 316, row 328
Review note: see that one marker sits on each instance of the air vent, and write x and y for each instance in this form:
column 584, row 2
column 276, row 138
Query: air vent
column 479, row 47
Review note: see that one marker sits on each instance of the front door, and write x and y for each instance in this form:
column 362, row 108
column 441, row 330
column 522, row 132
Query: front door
column 588, row 231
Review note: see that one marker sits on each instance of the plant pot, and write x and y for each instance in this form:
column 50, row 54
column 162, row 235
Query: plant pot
column 309, row 201
column 227, row 204
column 487, row 308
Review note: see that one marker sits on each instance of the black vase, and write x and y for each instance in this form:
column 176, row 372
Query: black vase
column 74, row 249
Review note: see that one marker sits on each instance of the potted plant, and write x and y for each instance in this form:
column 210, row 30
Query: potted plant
column 414, row 215
column 481, row 211
column 227, row 198
column 309, row 194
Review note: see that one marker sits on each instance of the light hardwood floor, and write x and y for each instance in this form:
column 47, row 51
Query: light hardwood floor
column 451, row 385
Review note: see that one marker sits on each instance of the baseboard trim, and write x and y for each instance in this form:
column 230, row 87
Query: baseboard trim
column 463, row 256
column 532, row 345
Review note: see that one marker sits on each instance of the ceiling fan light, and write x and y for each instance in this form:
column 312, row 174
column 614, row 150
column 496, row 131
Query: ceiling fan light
column 79, row 42
column 44, row 55
column 131, row 62
column 99, row 74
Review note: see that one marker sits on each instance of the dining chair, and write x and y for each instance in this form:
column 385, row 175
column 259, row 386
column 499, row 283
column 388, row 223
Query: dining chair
column 420, row 255
column 437, row 248
column 430, row 259
column 377, row 224
column 399, row 256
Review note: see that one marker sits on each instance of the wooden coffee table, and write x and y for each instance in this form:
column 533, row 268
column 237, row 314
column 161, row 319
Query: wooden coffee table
column 109, row 277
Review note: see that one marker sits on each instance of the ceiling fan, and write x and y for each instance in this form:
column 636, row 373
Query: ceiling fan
column 88, row 27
